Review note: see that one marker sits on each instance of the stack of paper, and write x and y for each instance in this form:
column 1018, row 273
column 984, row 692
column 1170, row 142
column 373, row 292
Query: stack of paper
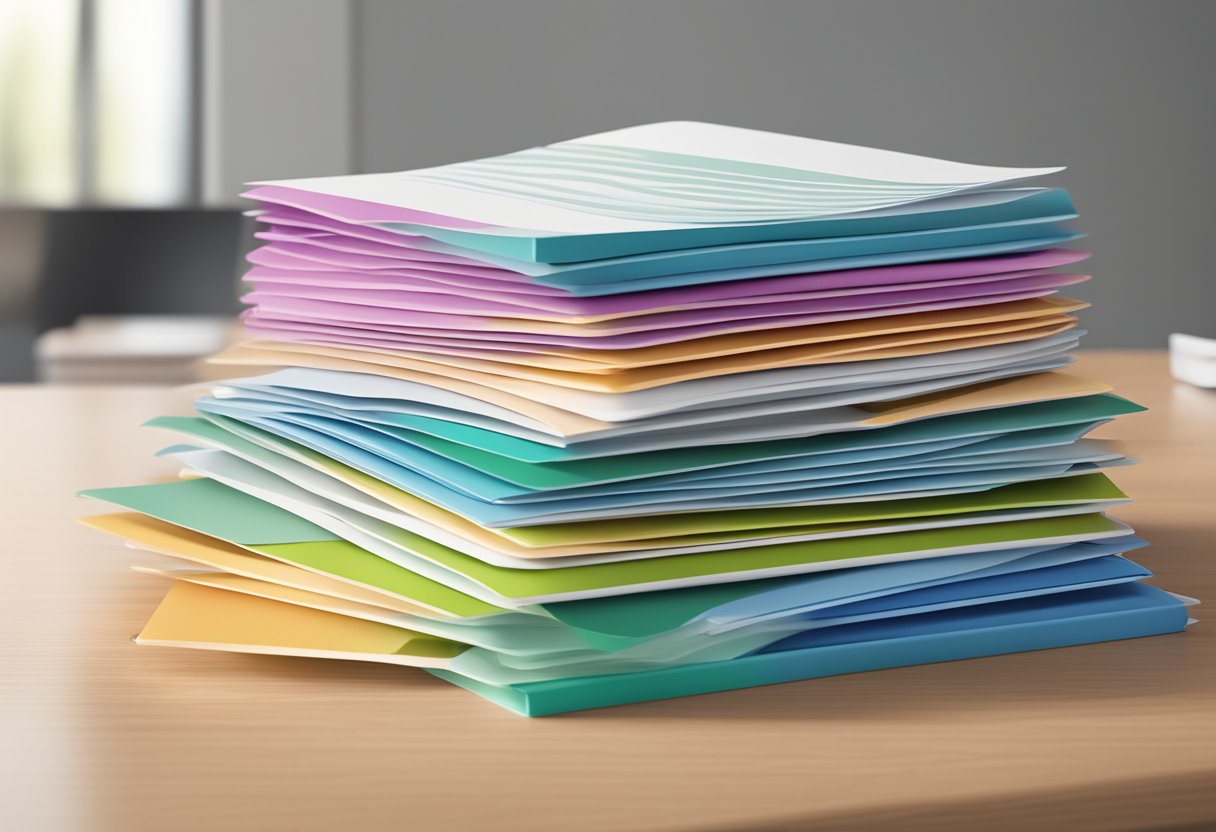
column 674, row 409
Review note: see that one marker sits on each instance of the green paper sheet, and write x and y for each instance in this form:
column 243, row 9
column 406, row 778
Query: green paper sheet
column 1086, row 488
column 523, row 586
column 692, row 528
column 213, row 509
column 540, row 472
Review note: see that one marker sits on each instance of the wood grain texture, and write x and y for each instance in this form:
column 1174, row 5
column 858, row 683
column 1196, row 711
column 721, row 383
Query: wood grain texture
column 101, row 735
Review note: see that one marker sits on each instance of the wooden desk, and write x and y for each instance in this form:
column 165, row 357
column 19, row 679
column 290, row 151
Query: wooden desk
column 100, row 734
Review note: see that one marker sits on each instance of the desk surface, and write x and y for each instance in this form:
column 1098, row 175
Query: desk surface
column 100, row 734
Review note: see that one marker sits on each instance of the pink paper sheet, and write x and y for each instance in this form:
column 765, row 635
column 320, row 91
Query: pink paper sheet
column 353, row 210
column 504, row 284
column 280, row 314
column 415, row 304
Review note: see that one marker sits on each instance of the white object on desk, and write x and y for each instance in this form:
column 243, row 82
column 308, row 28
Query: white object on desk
column 137, row 349
column 1193, row 359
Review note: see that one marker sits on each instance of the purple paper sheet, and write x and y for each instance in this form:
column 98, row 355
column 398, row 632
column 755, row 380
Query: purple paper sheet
column 326, row 258
column 509, row 283
column 294, row 258
column 417, row 280
column 371, row 339
column 426, row 328
column 338, row 281
column 339, row 244
column 287, row 220
column 367, row 239
column 415, row 306
column 353, row 210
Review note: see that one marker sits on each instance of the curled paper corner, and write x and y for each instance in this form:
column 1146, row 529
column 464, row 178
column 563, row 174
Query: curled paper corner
column 1193, row 359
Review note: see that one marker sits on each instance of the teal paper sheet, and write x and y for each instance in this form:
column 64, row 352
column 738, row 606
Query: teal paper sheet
column 786, row 256
column 519, row 587
column 693, row 646
column 905, row 482
column 1104, row 614
column 498, row 479
column 616, row 623
column 1005, row 242
column 212, row 509
column 1052, row 202
column 449, row 438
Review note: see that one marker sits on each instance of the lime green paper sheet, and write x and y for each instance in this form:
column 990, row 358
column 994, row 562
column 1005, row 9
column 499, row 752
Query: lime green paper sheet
column 149, row 534
column 693, row 528
column 207, row 507
column 1086, row 488
column 199, row 507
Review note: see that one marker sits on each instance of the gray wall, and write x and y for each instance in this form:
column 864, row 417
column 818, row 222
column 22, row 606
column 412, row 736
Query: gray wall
column 1118, row 91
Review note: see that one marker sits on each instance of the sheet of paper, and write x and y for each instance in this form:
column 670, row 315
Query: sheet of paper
column 206, row 507
column 398, row 395
column 969, row 208
column 615, row 623
column 203, row 617
column 576, row 392
column 986, row 209
column 444, row 197
column 746, row 419
column 351, row 487
column 626, row 538
column 569, row 361
column 202, row 505
column 618, row 474
column 247, row 620
column 508, row 287
column 684, row 648
column 1033, row 449
column 229, row 471
column 757, row 419
column 692, row 346
column 467, row 442
column 437, row 317
column 287, row 595
column 1036, row 388
column 503, row 514
column 192, row 615
column 597, row 285
column 756, row 614
column 1120, row 612
column 599, row 624
column 706, row 264
column 455, row 568
column 514, row 636
column 145, row 532
column 517, row 587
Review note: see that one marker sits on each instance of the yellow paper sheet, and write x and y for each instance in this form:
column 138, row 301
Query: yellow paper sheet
column 276, row 592
column 203, row 617
column 166, row 539
column 1038, row 387
column 695, row 349
column 765, row 339
column 532, row 382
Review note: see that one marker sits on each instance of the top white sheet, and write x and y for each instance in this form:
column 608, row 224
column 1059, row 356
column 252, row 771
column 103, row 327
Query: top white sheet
column 667, row 175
